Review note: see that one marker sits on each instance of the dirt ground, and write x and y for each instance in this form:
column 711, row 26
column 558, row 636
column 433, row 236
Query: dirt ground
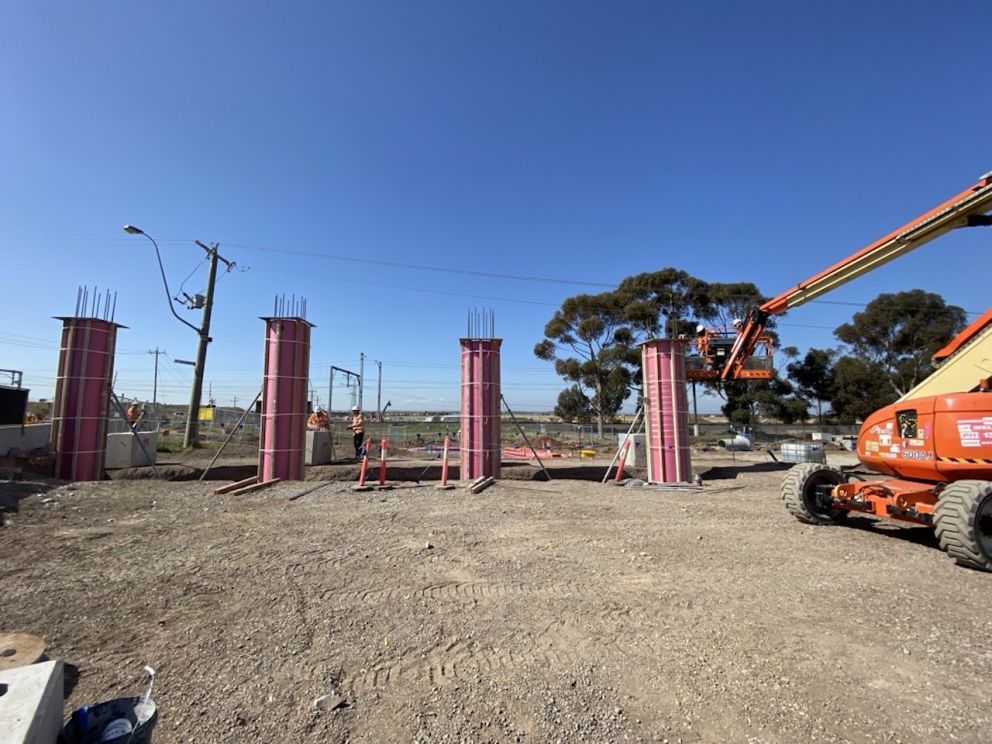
column 535, row 612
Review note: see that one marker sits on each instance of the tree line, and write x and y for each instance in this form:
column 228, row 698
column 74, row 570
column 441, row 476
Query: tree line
column 593, row 341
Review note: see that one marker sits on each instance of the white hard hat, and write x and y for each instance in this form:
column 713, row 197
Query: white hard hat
column 355, row 408
column 738, row 321
column 700, row 328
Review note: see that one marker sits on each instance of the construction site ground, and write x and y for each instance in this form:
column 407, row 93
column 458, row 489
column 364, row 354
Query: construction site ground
column 534, row 612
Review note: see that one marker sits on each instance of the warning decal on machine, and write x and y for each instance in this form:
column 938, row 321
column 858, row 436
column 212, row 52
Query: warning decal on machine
column 975, row 432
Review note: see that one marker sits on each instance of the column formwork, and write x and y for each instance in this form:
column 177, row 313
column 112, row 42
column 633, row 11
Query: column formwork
column 82, row 397
column 479, row 441
column 666, row 411
column 284, row 398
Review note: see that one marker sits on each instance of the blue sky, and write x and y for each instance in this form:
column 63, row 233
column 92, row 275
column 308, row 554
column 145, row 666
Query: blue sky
column 574, row 142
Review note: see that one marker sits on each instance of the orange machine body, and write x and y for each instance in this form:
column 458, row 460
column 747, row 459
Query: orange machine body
column 713, row 347
column 922, row 444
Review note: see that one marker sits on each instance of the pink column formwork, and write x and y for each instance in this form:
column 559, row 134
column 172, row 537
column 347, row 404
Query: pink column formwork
column 666, row 411
column 479, row 441
column 284, row 398
column 82, row 397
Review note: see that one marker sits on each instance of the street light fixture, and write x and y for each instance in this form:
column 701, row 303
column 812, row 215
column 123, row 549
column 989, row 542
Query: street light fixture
column 132, row 230
column 192, row 418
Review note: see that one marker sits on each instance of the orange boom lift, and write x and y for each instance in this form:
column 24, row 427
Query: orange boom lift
column 934, row 444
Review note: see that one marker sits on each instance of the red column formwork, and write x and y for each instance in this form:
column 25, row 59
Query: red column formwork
column 82, row 397
column 666, row 411
column 284, row 398
column 479, row 441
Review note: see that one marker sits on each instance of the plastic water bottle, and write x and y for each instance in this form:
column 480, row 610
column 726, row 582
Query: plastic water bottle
column 115, row 729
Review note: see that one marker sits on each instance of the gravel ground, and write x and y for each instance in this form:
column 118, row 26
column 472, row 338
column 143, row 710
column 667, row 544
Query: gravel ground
column 562, row 611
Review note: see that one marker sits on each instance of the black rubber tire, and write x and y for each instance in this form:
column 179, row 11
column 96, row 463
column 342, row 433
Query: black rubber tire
column 797, row 492
column 962, row 518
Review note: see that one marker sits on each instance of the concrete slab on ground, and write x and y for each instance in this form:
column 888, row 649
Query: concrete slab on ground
column 31, row 707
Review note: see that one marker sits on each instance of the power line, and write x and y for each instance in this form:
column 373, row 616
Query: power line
column 354, row 259
column 182, row 284
column 402, row 265
column 406, row 288
column 421, row 267
column 40, row 342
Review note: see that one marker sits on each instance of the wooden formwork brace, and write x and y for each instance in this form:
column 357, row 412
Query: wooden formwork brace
column 134, row 432
column 480, row 484
column 625, row 443
column 255, row 487
column 235, row 486
column 524, row 434
column 229, row 436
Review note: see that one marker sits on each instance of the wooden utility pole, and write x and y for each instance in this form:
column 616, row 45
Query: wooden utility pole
column 378, row 395
column 157, row 354
column 193, row 415
column 361, row 381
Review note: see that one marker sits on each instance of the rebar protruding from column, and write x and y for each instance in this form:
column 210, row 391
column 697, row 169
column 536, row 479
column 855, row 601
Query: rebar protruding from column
column 481, row 323
column 479, row 441
column 82, row 393
column 284, row 398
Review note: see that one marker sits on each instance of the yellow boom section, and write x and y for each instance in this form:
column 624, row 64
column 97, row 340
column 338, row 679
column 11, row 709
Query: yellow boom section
column 967, row 364
column 955, row 212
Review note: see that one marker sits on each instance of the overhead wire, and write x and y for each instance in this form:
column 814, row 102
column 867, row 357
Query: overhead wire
column 350, row 259
column 419, row 267
column 398, row 264
column 182, row 284
column 405, row 288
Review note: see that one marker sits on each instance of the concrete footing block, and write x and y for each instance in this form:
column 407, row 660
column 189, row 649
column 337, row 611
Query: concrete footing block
column 31, row 707
column 319, row 448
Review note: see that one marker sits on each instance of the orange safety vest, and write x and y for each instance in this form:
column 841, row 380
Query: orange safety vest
column 358, row 423
column 318, row 420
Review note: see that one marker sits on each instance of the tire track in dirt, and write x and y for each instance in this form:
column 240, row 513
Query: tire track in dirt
column 560, row 643
column 444, row 664
column 457, row 592
column 299, row 602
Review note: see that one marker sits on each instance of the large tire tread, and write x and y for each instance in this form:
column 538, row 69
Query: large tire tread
column 955, row 522
column 793, row 486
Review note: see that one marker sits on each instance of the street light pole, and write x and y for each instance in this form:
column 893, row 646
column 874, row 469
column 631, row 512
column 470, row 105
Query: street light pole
column 132, row 230
column 199, row 368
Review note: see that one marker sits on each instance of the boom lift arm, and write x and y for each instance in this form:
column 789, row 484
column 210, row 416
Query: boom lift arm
column 966, row 209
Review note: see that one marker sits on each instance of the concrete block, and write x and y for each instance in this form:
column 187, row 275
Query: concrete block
column 123, row 451
column 319, row 448
column 31, row 708
column 24, row 438
column 637, row 453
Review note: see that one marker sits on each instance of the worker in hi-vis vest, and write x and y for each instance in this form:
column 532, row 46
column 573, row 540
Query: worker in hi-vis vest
column 318, row 421
column 357, row 427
